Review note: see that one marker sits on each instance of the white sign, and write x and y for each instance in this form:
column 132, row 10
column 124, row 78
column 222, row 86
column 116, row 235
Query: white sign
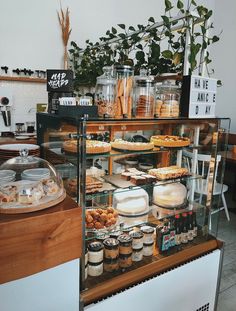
column 202, row 99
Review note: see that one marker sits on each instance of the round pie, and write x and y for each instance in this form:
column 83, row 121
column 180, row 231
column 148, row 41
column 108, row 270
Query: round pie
column 92, row 146
column 170, row 141
column 131, row 146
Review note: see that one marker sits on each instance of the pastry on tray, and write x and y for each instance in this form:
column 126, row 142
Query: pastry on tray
column 92, row 146
column 131, row 146
column 92, row 185
column 100, row 218
column 169, row 172
column 170, row 141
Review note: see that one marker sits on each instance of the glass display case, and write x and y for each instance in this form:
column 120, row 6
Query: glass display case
column 146, row 188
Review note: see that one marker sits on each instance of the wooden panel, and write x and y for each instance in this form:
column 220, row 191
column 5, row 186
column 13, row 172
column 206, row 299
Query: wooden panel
column 22, row 79
column 138, row 275
column 34, row 242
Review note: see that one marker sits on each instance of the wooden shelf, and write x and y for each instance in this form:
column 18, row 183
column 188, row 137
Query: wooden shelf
column 23, row 79
column 37, row 241
column 156, row 266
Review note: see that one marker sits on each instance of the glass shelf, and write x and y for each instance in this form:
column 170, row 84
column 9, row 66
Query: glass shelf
column 106, row 193
column 155, row 216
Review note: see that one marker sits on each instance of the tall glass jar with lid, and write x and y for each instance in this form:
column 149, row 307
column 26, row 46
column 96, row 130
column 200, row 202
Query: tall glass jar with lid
column 167, row 99
column 124, row 90
column 144, row 96
column 105, row 94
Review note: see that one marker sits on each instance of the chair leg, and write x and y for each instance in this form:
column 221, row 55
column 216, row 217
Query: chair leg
column 225, row 206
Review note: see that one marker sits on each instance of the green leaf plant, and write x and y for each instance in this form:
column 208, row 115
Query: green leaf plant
column 159, row 50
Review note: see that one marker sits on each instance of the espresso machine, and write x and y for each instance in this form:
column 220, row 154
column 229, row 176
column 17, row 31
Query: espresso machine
column 6, row 105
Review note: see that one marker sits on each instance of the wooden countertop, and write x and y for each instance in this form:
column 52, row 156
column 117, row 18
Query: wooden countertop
column 37, row 241
column 9, row 140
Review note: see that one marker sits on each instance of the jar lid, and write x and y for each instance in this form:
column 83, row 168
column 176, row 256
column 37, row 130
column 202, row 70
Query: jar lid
column 137, row 249
column 107, row 77
column 110, row 243
column 111, row 260
column 145, row 81
column 95, row 263
column 136, row 234
column 115, row 234
column 123, row 68
column 125, row 256
column 95, row 246
column 148, row 244
column 125, row 239
column 102, row 237
column 147, row 229
column 127, row 230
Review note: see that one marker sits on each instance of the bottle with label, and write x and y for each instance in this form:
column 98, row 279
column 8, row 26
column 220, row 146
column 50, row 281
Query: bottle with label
column 163, row 237
column 178, row 231
column 195, row 229
column 190, row 226
column 172, row 232
column 184, row 234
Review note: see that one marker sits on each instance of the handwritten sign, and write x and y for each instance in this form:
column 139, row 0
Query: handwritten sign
column 59, row 80
column 198, row 98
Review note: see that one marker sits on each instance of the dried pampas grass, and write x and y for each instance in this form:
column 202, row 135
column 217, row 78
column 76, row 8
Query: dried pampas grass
column 64, row 21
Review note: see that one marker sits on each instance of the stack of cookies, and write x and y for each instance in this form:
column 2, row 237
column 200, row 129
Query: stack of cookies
column 144, row 108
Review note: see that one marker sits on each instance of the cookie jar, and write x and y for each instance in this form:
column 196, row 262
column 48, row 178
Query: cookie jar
column 105, row 93
column 144, row 96
column 167, row 100
column 124, row 90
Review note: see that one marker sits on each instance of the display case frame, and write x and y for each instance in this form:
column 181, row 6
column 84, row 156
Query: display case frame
column 80, row 128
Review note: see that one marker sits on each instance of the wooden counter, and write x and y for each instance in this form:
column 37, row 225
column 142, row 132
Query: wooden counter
column 33, row 242
column 9, row 140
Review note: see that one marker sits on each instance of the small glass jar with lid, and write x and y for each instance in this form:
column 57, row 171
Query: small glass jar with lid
column 124, row 90
column 144, row 96
column 167, row 99
column 105, row 94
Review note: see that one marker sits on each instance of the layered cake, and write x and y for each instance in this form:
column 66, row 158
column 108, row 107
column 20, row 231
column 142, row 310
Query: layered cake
column 131, row 202
column 169, row 172
column 170, row 141
column 170, row 195
column 131, row 146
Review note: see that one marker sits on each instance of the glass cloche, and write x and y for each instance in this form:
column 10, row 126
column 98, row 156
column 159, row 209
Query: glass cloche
column 29, row 184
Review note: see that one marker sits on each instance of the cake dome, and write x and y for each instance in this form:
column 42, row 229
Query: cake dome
column 29, row 184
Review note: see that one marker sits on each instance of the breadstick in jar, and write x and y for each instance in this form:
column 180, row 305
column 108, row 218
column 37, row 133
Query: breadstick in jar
column 120, row 87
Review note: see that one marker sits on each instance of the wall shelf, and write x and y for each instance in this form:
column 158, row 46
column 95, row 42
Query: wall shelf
column 22, row 79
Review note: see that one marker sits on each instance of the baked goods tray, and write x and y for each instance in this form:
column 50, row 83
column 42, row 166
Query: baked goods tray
column 117, row 181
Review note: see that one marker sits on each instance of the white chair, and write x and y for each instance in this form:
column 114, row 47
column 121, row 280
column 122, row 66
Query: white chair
column 202, row 168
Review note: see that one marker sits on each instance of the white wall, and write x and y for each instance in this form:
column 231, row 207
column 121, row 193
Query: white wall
column 225, row 63
column 31, row 38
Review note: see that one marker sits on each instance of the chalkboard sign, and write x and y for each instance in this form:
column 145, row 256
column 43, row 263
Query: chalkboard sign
column 59, row 80
column 198, row 97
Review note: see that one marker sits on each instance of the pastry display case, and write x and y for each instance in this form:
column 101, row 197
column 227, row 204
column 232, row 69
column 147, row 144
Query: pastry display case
column 137, row 187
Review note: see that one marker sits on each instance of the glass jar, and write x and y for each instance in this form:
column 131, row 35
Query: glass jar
column 95, row 252
column 144, row 96
column 137, row 254
column 125, row 247
column 105, row 94
column 137, row 237
column 124, row 90
column 111, row 265
column 125, row 261
column 167, row 100
column 111, row 248
column 95, row 269
column 148, row 232
column 148, row 249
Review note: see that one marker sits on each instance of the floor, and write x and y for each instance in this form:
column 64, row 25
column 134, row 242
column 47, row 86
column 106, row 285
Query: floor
column 227, row 232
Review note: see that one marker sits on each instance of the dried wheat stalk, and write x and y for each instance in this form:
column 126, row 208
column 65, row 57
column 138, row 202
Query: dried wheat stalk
column 64, row 21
